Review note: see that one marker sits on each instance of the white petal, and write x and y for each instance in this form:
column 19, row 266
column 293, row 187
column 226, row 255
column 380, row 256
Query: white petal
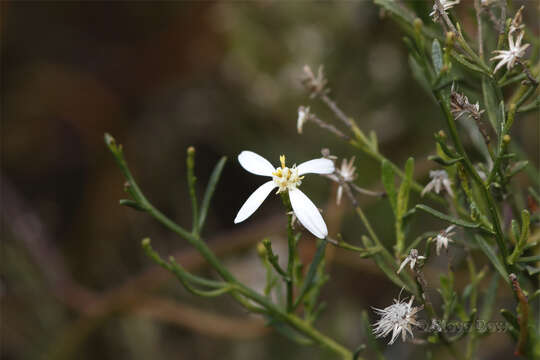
column 254, row 201
column 307, row 213
column 403, row 264
column 428, row 188
column 316, row 166
column 255, row 163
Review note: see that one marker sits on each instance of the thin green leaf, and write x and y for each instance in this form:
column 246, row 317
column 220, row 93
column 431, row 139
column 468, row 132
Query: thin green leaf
column 419, row 74
column 461, row 59
column 491, row 103
column 210, row 188
column 397, row 10
column 492, row 256
column 288, row 332
column 388, row 178
column 519, row 166
column 132, row 204
column 444, row 162
column 404, row 189
column 374, row 345
column 489, row 298
column 191, row 180
column 450, row 219
column 532, row 271
column 312, row 271
column 528, row 259
column 374, row 141
column 437, row 56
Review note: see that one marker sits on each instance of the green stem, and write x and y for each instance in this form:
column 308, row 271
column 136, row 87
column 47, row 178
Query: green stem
column 414, row 184
column 291, row 253
column 471, row 342
column 238, row 290
column 190, row 161
column 389, row 267
column 296, row 322
column 492, row 207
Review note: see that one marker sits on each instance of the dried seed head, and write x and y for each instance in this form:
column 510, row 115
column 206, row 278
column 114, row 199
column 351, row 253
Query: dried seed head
column 316, row 85
column 398, row 318
column 516, row 23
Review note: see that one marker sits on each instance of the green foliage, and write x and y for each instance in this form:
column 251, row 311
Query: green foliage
column 472, row 200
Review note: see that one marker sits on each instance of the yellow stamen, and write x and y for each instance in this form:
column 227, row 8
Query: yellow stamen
column 282, row 159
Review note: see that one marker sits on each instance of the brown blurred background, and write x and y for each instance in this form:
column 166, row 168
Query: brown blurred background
column 223, row 77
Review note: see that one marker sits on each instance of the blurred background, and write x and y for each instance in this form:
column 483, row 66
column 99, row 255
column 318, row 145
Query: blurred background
column 222, row 77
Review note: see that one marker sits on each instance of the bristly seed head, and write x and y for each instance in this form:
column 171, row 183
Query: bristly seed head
column 397, row 319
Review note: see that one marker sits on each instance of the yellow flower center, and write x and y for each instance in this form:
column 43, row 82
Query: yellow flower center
column 286, row 178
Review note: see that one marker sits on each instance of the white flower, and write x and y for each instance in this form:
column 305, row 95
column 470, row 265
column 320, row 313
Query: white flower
column 439, row 179
column 512, row 55
column 411, row 258
column 446, row 5
column 286, row 180
column 347, row 173
column 397, row 318
column 443, row 238
column 303, row 117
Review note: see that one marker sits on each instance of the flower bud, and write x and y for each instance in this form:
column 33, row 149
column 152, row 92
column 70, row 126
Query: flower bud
column 417, row 23
column 261, row 250
column 450, row 37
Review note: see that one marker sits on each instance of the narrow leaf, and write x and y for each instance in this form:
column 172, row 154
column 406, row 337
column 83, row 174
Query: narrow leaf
column 492, row 256
column 437, row 56
column 132, row 204
column 312, row 271
column 489, row 298
column 490, row 103
column 419, row 74
column 448, row 218
column 212, row 183
column 374, row 345
column 443, row 162
column 388, row 179
column 404, row 189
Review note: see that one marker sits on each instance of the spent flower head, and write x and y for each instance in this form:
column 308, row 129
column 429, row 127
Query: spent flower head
column 398, row 318
column 316, row 85
column 345, row 174
column 443, row 238
column 514, row 53
column 286, row 180
column 460, row 106
column 516, row 24
column 439, row 180
column 411, row 259
column 446, row 5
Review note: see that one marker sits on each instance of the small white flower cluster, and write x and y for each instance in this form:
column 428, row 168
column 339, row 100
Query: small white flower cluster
column 439, row 180
column 397, row 319
column 286, row 180
column 446, row 5
column 515, row 50
column 443, row 238
column 514, row 53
